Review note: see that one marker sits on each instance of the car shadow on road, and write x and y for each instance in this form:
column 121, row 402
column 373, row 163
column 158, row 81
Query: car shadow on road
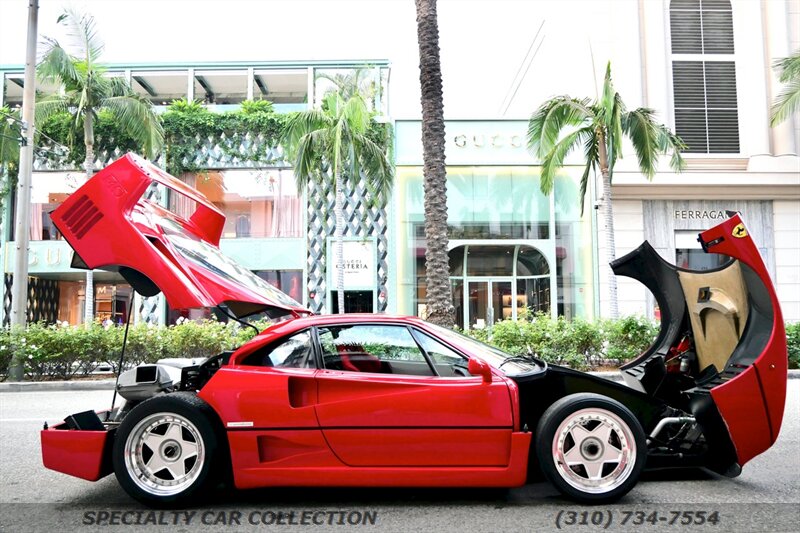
column 679, row 474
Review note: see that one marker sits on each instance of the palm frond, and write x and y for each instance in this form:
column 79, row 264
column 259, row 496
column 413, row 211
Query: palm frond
column 136, row 116
column 608, row 99
column 592, row 156
column 301, row 124
column 119, row 86
column 554, row 160
column 376, row 165
column 670, row 143
column 789, row 67
column 643, row 133
column 49, row 106
column 308, row 157
column 339, row 138
column 546, row 124
column 9, row 133
column 56, row 64
column 787, row 102
column 355, row 113
column 618, row 112
column 83, row 33
column 348, row 84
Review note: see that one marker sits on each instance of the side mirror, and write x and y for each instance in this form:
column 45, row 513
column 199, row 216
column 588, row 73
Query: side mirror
column 479, row 367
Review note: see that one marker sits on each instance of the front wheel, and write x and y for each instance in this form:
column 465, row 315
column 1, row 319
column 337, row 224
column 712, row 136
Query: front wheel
column 165, row 448
column 591, row 448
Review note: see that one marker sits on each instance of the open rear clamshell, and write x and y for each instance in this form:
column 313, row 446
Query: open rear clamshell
column 721, row 350
column 112, row 225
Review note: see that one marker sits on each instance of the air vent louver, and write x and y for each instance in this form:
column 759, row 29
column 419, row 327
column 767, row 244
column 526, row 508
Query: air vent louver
column 82, row 216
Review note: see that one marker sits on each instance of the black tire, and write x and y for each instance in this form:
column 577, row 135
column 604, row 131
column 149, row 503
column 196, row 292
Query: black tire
column 165, row 450
column 602, row 441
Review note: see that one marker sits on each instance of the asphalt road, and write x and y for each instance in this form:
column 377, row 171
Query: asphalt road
column 766, row 497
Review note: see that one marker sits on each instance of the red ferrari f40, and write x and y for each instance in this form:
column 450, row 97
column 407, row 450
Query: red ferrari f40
column 376, row 400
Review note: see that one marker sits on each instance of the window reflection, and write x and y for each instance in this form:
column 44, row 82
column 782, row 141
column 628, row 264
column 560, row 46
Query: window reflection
column 48, row 191
column 257, row 204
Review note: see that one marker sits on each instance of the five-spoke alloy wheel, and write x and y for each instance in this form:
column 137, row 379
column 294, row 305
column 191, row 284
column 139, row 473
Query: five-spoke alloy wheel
column 592, row 448
column 164, row 448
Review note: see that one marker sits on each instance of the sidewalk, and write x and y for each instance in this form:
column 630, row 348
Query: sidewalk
column 108, row 384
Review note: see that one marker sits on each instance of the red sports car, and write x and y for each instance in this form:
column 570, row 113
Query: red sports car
column 373, row 400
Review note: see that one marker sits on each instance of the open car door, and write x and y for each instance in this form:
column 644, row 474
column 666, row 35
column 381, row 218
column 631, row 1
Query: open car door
column 721, row 353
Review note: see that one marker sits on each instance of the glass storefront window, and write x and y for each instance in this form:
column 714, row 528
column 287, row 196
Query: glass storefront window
column 221, row 87
column 370, row 81
column 48, row 191
column 500, row 203
column 257, row 204
column 286, row 281
column 111, row 302
column 575, row 270
column 531, row 262
column 490, row 260
column 690, row 255
column 495, row 289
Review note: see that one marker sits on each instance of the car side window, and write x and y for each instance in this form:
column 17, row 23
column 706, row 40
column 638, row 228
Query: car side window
column 293, row 352
column 383, row 349
column 447, row 361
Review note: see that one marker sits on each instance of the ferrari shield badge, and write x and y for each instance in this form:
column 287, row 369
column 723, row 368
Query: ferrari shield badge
column 739, row 231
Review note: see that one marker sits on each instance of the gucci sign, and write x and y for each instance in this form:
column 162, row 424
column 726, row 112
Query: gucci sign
column 494, row 141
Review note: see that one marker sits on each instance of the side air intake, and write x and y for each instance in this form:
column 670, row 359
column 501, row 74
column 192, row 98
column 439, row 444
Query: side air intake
column 82, row 216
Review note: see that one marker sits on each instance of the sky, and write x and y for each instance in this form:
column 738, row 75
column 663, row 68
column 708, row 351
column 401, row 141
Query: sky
column 484, row 44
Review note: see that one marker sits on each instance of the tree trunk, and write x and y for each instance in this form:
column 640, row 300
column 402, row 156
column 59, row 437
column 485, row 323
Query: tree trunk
column 88, row 137
column 339, row 255
column 439, row 299
column 608, row 220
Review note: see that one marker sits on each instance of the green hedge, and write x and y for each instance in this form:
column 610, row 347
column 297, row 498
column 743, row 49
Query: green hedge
column 576, row 343
column 63, row 352
column 583, row 345
column 793, row 344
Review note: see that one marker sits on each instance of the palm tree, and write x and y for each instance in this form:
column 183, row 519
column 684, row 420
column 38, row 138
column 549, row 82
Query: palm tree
column 86, row 91
column 788, row 100
column 333, row 142
column 439, row 299
column 564, row 124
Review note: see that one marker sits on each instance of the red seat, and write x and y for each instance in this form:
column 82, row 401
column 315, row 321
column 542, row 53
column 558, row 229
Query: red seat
column 355, row 359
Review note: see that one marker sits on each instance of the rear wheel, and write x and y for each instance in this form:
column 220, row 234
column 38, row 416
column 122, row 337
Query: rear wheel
column 592, row 448
column 165, row 448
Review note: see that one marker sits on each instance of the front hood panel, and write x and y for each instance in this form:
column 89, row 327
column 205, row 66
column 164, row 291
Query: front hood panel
column 111, row 225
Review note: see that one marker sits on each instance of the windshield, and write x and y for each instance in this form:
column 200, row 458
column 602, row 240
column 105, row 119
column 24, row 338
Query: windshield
column 211, row 259
column 510, row 364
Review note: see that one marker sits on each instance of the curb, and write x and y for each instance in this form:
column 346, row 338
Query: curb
column 108, row 384
column 37, row 386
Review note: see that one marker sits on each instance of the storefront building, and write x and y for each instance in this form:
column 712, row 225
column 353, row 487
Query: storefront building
column 281, row 234
column 703, row 66
column 513, row 250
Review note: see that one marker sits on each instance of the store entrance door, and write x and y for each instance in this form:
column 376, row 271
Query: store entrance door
column 488, row 301
column 354, row 301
